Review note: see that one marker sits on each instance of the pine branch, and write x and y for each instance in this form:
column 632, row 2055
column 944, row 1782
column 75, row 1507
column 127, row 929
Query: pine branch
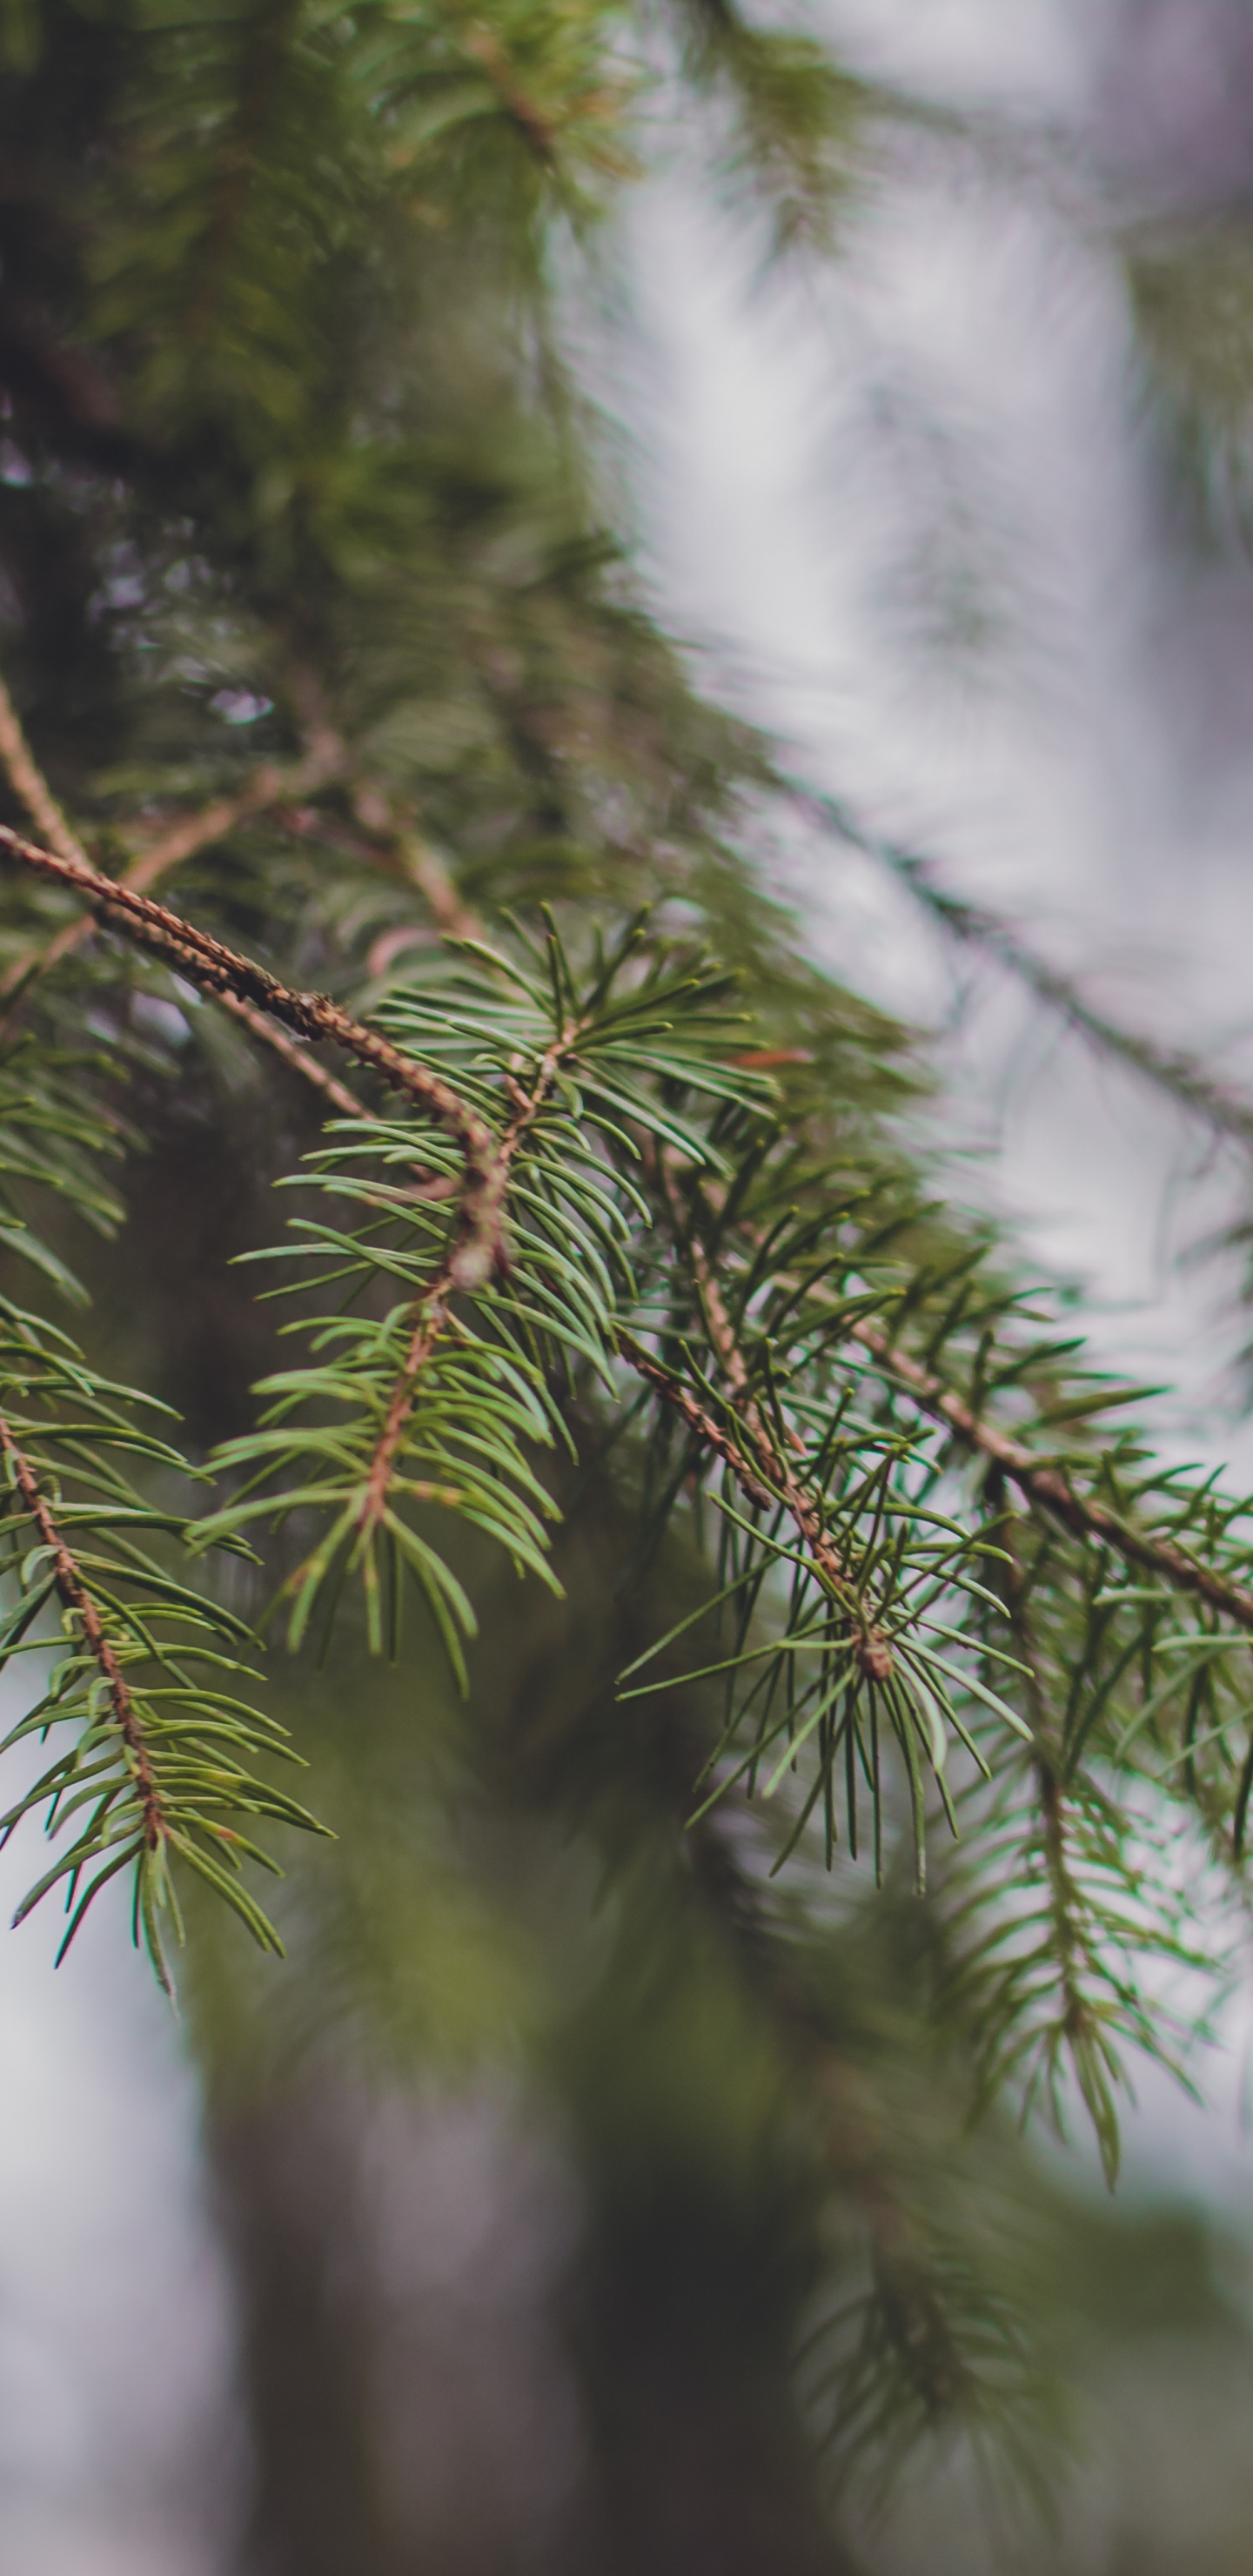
column 774, row 1471
column 1052, row 1490
column 73, row 1592
column 217, row 969
column 1049, row 1487
column 1076, row 1955
column 462, row 1378
column 30, row 785
column 319, row 267
column 327, row 757
column 431, row 1311
column 973, row 925
column 268, row 786
column 299, row 1059
column 155, row 1774
column 792, row 1318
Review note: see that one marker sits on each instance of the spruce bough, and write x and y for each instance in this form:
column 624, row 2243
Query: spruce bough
column 604, row 1171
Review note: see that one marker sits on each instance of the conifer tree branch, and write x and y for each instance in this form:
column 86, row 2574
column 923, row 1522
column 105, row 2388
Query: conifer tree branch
column 1043, row 1484
column 975, row 926
column 776, row 1471
column 432, row 1307
column 155, row 1775
column 217, row 969
column 268, row 786
column 73, row 1592
column 1075, row 2022
column 1050, row 1488
column 31, row 787
column 300, row 1059
column 313, row 226
column 379, row 818
column 766, row 1480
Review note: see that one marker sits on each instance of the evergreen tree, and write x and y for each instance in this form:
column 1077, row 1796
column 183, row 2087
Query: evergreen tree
column 719, row 1499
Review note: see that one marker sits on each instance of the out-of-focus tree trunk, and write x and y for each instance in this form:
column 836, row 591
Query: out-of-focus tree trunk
column 285, row 2189
column 405, row 2272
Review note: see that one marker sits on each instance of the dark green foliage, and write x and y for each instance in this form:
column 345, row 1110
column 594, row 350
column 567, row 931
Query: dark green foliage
column 154, row 1766
column 313, row 619
column 154, row 1773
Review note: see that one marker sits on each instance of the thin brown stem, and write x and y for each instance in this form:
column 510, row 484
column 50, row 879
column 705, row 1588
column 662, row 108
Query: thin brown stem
column 269, row 786
column 526, row 114
column 73, row 1592
column 431, row 1309
column 705, row 1431
column 217, row 969
column 417, row 861
column 335, row 1093
column 773, row 1469
column 971, row 925
column 766, row 1480
column 29, row 784
column 1049, row 1770
column 326, row 757
column 423, row 1340
column 1050, row 1488
column 1045, row 1485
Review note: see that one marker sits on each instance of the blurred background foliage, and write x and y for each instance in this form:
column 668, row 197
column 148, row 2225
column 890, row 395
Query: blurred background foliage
column 543, row 2202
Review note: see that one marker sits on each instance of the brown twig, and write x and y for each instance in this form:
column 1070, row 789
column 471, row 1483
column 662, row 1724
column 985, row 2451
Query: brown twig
column 72, row 1591
column 330, row 1089
column 527, row 116
column 700, row 1422
column 431, row 1309
column 418, row 861
column 269, row 786
column 771, row 1468
column 1043, row 1484
column 29, row 783
column 217, row 969
column 766, row 1481
column 971, row 925
column 1050, row 1488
